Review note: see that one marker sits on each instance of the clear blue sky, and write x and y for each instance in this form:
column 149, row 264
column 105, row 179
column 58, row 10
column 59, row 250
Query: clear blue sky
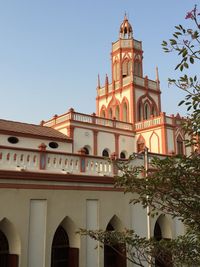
column 51, row 51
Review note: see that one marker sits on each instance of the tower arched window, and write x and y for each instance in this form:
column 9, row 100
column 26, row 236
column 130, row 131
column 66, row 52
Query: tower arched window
column 125, row 112
column 116, row 71
column 179, row 144
column 146, row 111
column 153, row 111
column 110, row 115
column 125, row 68
column 140, row 113
column 117, row 112
column 137, row 68
column 103, row 113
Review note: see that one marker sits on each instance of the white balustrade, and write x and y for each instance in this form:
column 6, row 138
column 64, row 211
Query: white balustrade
column 21, row 160
column 148, row 123
column 18, row 160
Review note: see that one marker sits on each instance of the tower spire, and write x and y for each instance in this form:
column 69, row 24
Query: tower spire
column 157, row 78
column 157, row 74
column 98, row 82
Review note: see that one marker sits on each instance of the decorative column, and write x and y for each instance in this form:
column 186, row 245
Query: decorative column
column 43, row 155
column 95, row 141
column 117, row 145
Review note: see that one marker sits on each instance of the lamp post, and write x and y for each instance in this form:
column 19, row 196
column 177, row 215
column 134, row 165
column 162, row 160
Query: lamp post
column 146, row 167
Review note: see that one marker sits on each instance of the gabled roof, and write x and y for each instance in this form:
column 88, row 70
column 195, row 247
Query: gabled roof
column 31, row 130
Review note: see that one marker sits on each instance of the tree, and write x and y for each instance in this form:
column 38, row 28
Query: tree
column 172, row 185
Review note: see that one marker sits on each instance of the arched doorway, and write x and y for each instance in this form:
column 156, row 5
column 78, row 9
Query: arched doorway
column 114, row 256
column 62, row 255
column 4, row 250
column 9, row 245
column 163, row 258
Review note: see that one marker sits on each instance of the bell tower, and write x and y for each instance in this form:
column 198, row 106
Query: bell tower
column 126, row 95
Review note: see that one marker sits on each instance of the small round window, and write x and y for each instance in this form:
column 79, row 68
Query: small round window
column 13, row 140
column 53, row 145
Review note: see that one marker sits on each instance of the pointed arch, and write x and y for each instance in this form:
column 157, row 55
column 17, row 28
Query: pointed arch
column 112, row 258
column 125, row 110
column 147, row 109
column 137, row 69
column 140, row 143
column 10, row 247
column 154, row 143
column 116, row 69
column 110, row 113
column 112, row 106
column 142, row 113
column 103, row 112
column 117, row 112
column 126, row 67
column 65, row 244
column 162, row 230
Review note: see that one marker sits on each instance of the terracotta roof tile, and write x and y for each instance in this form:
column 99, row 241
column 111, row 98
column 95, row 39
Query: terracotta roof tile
column 20, row 128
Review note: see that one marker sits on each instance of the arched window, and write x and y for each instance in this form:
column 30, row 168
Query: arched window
column 4, row 250
column 110, row 113
column 125, row 112
column 60, row 248
column 153, row 111
column 105, row 153
column 116, row 71
column 103, row 113
column 137, row 69
column 117, row 113
column 123, row 155
column 162, row 259
column 87, row 150
column 113, row 255
column 140, row 144
column 146, row 111
column 140, row 113
column 179, row 144
column 126, row 68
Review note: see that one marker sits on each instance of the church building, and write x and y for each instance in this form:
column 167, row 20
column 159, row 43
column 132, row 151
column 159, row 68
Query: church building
column 55, row 178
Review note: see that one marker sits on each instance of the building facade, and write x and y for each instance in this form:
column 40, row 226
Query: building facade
column 55, row 177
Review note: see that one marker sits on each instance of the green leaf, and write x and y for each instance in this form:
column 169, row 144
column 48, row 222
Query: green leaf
column 191, row 60
column 181, row 102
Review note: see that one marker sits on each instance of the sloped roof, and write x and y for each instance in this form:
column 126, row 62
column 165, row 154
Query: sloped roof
column 31, row 130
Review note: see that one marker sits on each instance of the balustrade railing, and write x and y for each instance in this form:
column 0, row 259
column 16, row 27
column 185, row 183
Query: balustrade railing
column 148, row 123
column 91, row 119
column 23, row 160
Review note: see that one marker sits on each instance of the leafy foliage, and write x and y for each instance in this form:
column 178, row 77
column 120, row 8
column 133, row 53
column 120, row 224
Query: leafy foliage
column 186, row 43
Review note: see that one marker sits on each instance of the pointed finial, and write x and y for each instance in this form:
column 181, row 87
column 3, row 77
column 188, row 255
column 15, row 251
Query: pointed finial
column 98, row 81
column 106, row 80
column 125, row 16
column 157, row 74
